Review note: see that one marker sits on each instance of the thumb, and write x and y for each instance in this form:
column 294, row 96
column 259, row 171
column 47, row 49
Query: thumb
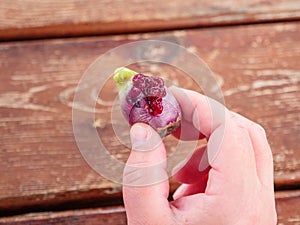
column 145, row 181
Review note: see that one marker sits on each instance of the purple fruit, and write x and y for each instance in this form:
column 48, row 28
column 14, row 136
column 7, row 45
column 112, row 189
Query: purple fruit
column 145, row 99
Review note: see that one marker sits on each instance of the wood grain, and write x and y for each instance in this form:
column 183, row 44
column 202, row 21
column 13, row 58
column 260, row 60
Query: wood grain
column 257, row 67
column 287, row 205
column 109, row 215
column 288, row 208
column 53, row 18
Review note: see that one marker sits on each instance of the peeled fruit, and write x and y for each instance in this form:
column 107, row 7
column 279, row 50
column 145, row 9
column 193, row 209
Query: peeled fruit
column 145, row 99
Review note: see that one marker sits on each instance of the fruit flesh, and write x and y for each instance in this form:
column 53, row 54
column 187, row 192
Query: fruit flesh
column 153, row 90
column 145, row 99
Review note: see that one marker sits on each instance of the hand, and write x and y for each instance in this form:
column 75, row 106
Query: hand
column 238, row 188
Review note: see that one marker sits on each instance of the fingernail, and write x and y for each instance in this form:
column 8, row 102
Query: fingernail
column 139, row 134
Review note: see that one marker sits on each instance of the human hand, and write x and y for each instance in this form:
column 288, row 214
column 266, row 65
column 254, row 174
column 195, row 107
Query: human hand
column 239, row 188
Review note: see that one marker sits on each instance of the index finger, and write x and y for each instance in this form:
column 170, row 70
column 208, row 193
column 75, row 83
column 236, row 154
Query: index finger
column 228, row 144
column 229, row 152
column 199, row 113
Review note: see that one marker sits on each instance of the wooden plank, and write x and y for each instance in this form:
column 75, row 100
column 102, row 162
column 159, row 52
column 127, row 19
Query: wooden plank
column 287, row 205
column 257, row 66
column 53, row 18
column 108, row 215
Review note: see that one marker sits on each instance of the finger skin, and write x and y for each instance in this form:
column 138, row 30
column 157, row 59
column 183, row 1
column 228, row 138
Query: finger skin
column 187, row 132
column 191, row 189
column 234, row 193
column 203, row 113
column 189, row 172
column 229, row 146
column 263, row 155
column 233, row 186
column 262, row 151
column 145, row 182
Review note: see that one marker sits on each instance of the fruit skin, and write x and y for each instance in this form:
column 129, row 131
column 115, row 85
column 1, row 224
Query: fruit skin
column 145, row 99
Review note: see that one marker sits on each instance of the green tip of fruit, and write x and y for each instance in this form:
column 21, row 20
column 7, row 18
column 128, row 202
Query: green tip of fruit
column 122, row 75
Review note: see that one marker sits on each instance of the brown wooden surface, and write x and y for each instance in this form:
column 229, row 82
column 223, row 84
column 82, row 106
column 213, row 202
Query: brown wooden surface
column 287, row 204
column 110, row 216
column 40, row 164
column 54, row 18
column 288, row 207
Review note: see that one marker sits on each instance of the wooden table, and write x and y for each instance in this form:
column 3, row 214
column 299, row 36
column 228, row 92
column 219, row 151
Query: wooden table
column 253, row 47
